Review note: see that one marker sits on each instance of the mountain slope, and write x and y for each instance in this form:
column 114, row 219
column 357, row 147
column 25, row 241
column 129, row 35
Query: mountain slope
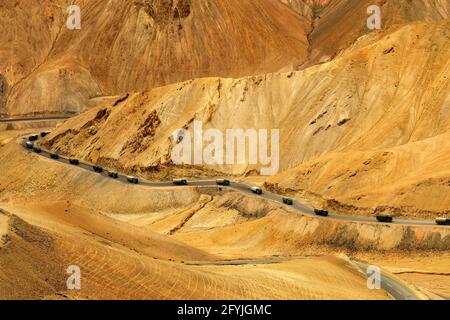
column 388, row 91
column 27, row 35
column 338, row 23
column 136, row 45
column 130, row 46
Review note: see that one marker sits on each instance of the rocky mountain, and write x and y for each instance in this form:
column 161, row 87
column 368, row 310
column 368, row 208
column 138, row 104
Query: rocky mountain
column 130, row 46
column 133, row 46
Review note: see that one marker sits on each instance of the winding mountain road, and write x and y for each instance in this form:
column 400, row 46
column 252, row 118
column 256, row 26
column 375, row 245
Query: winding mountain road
column 241, row 187
column 395, row 288
column 12, row 120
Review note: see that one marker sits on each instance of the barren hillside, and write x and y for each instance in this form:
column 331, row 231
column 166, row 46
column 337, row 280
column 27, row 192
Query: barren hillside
column 27, row 35
column 364, row 129
column 135, row 45
column 337, row 24
column 374, row 106
column 58, row 215
column 64, row 222
column 130, row 46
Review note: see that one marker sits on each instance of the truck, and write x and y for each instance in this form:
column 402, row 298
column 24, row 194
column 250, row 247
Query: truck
column 384, row 218
column 443, row 221
column 256, row 190
column 98, row 169
column 223, row 182
column 288, row 201
column 133, row 180
column 33, row 138
column 37, row 149
column 113, row 174
column 321, row 212
column 29, row 145
column 180, row 182
column 75, row 162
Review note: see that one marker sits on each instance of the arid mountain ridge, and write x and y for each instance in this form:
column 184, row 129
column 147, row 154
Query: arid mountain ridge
column 133, row 46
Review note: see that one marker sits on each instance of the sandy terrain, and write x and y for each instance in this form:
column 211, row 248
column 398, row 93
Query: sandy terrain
column 4, row 225
column 119, row 261
column 189, row 212
column 114, row 271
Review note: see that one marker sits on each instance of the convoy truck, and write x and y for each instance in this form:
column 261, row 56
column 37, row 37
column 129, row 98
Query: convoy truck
column 37, row 149
column 443, row 221
column 384, row 218
column 133, row 180
column 223, row 182
column 323, row 213
column 98, row 169
column 256, row 190
column 75, row 162
column 180, row 182
column 113, row 174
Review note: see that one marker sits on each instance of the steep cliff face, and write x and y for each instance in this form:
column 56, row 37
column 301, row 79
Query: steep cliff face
column 306, row 8
column 336, row 24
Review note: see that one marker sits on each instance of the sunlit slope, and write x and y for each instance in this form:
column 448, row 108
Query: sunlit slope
column 380, row 95
column 134, row 46
column 27, row 35
column 338, row 23
column 42, row 237
column 223, row 223
column 58, row 215
column 35, row 260
column 129, row 46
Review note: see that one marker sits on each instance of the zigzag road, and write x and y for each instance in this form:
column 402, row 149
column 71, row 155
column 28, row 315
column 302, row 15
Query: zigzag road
column 394, row 287
column 241, row 187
